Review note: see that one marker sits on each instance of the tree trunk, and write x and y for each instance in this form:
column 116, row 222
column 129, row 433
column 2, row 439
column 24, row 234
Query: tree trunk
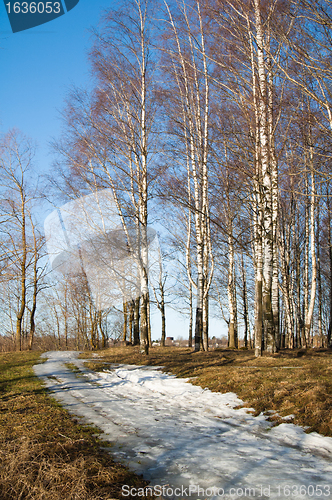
column 199, row 306
column 329, row 241
column 125, row 321
column 258, row 279
column 131, row 320
column 149, row 320
column 231, row 292
column 137, row 321
column 101, row 329
column 309, row 313
column 190, row 336
column 319, row 283
column 269, row 331
column 163, row 320
column 162, row 310
column 206, row 323
column 245, row 306
column 20, row 313
column 144, row 338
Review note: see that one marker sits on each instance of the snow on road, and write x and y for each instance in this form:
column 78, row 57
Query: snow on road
column 179, row 436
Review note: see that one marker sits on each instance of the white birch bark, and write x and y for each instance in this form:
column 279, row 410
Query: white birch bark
column 275, row 198
column 195, row 104
column 310, row 310
column 257, row 210
column 231, row 285
column 125, row 166
column 286, row 290
column 143, row 192
column 231, row 293
column 306, row 261
column 269, row 333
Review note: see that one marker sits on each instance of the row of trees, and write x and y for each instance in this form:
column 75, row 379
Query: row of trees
column 21, row 241
column 214, row 120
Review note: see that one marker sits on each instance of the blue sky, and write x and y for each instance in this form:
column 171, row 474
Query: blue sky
column 38, row 66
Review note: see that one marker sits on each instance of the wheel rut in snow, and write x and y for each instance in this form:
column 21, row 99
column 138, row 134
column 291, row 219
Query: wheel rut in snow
column 178, row 434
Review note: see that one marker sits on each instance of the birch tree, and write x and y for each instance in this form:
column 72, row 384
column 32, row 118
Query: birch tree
column 16, row 154
column 188, row 67
column 247, row 76
column 111, row 131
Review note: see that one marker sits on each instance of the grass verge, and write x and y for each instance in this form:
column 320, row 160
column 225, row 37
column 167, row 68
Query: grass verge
column 296, row 382
column 44, row 453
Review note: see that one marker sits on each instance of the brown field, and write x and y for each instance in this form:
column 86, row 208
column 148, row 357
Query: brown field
column 297, row 382
column 44, row 453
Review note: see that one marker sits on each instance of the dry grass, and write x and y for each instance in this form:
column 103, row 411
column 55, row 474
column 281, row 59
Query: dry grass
column 44, row 454
column 295, row 382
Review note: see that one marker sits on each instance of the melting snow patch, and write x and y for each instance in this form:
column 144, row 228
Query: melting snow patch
column 195, row 441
